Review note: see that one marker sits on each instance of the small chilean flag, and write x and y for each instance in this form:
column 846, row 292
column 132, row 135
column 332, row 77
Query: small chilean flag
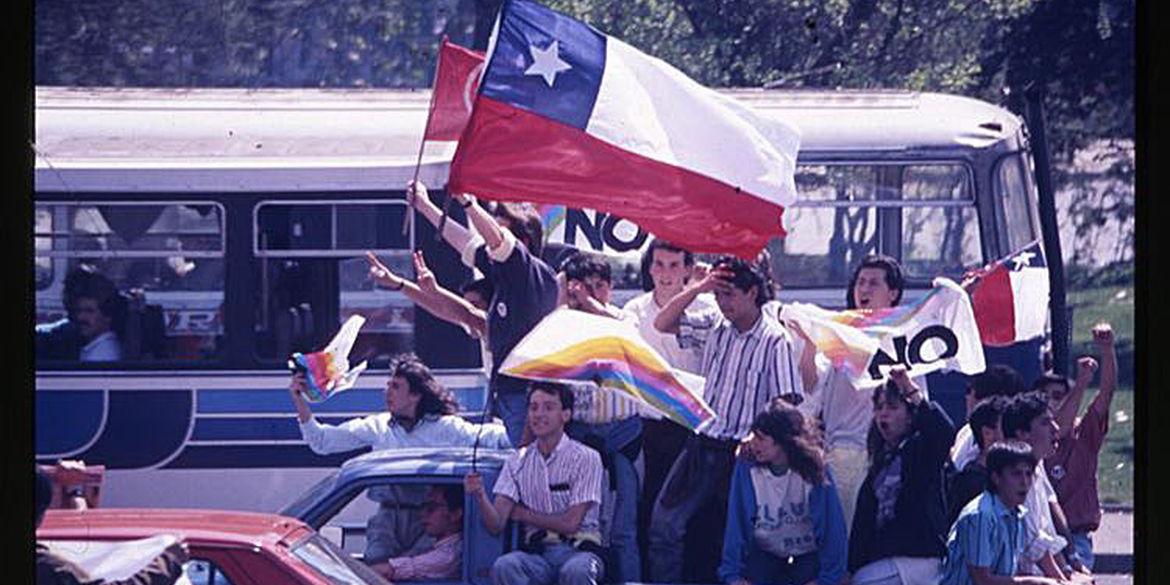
column 1010, row 297
column 456, row 80
column 567, row 115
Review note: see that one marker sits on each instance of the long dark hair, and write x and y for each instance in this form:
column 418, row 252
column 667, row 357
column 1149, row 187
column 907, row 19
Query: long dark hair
column 874, row 443
column 434, row 398
column 800, row 439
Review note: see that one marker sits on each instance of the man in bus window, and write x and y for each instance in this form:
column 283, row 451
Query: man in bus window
column 96, row 315
column 507, row 250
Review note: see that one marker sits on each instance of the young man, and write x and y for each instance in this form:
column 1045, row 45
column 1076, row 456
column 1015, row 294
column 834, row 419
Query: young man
column 996, row 380
column 442, row 520
column 985, row 542
column 607, row 420
column 971, row 481
column 96, row 313
column 507, row 251
column 1073, row 467
column 553, row 487
column 747, row 361
column 1027, row 418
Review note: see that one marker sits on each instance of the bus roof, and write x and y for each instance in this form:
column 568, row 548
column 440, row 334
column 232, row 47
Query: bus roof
column 366, row 139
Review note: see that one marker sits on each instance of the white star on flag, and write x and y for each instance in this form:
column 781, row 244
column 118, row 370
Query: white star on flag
column 546, row 63
column 1022, row 259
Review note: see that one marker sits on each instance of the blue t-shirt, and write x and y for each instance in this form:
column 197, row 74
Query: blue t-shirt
column 525, row 292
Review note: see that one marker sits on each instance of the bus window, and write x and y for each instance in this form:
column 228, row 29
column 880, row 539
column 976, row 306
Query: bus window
column 314, row 275
column 940, row 226
column 923, row 214
column 164, row 259
column 1013, row 192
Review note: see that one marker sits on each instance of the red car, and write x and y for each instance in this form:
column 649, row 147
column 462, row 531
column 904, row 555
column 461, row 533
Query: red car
column 226, row 548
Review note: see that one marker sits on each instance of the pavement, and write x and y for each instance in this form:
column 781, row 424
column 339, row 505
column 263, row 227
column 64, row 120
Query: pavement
column 1113, row 548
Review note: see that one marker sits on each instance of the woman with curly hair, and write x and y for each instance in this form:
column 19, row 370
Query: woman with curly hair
column 784, row 521
column 420, row 413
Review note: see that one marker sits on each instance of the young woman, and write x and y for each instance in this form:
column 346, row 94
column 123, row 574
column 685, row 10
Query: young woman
column 900, row 526
column 784, row 521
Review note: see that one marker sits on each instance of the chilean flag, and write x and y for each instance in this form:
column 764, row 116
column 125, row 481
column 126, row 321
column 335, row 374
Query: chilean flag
column 1010, row 297
column 567, row 115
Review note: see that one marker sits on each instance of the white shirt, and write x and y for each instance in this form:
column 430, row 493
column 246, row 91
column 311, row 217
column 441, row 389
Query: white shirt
column 644, row 310
column 1039, row 531
column 103, row 348
column 965, row 450
column 381, row 431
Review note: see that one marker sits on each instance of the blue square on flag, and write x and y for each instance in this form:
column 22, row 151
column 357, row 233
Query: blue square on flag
column 546, row 63
column 1031, row 256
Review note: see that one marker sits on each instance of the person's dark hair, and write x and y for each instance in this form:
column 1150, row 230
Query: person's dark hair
column 986, row 414
column 86, row 282
column 481, row 286
column 1050, row 378
column 1004, row 454
column 745, row 275
column 524, row 223
column 44, row 493
column 452, row 495
column 797, row 435
column 434, row 398
column 1021, row 411
column 764, row 265
column 561, row 391
column 582, row 265
column 894, row 278
column 997, row 380
column 648, row 259
column 874, row 443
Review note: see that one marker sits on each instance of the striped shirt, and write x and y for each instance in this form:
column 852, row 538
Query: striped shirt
column 570, row 475
column 745, row 371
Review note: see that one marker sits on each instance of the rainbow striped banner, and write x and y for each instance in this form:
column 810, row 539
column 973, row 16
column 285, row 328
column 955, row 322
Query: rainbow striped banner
column 851, row 340
column 574, row 346
column 327, row 371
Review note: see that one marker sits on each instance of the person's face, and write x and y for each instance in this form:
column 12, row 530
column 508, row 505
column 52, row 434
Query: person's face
column 439, row 520
column 1056, row 394
column 892, row 419
column 477, row 300
column 599, row 288
column 545, row 415
column 90, row 319
column 871, row 290
column 765, row 449
column 400, row 401
column 1012, row 483
column 1041, row 435
column 734, row 303
column 668, row 269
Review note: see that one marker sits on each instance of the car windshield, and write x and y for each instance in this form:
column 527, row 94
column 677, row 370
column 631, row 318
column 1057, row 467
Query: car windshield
column 328, row 561
column 300, row 506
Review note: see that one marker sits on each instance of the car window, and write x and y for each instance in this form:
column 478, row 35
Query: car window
column 328, row 561
column 202, row 572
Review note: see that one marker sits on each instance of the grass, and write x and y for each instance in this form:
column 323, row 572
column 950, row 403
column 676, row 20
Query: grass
column 1114, row 305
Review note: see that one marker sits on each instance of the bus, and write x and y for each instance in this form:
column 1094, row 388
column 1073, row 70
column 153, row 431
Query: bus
column 235, row 221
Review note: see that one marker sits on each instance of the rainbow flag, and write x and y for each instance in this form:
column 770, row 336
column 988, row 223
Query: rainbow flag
column 933, row 333
column 574, row 346
column 327, row 371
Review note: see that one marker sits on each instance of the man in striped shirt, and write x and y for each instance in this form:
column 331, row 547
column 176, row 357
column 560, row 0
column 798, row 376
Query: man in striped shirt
column 553, row 487
column 748, row 360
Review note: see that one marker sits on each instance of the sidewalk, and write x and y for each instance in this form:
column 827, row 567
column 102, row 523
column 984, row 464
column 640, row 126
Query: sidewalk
column 1113, row 544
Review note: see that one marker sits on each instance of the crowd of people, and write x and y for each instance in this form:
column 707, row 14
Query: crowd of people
column 812, row 480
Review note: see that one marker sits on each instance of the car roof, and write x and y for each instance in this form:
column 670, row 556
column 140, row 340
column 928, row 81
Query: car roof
column 447, row 461
column 194, row 526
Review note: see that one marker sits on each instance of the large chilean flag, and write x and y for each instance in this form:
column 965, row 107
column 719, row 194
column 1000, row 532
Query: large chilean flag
column 1010, row 297
column 567, row 115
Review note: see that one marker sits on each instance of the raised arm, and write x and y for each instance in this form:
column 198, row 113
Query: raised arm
column 1066, row 413
column 668, row 318
column 429, row 295
column 1103, row 339
column 495, row 514
column 454, row 234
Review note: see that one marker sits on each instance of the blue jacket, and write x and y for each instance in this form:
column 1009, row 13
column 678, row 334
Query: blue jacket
column 827, row 518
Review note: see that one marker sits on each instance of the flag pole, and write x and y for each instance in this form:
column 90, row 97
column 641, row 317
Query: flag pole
column 408, row 219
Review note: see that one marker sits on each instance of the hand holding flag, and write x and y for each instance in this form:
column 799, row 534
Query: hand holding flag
column 327, row 372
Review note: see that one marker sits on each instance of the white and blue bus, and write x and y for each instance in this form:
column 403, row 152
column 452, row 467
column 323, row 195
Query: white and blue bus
column 238, row 220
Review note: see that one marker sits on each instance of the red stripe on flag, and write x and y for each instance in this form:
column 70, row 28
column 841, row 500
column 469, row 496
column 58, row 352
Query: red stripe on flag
column 994, row 307
column 510, row 154
column 456, row 79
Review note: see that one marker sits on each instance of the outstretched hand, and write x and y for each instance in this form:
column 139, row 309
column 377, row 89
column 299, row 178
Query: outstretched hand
column 910, row 391
column 381, row 274
column 423, row 275
column 1103, row 336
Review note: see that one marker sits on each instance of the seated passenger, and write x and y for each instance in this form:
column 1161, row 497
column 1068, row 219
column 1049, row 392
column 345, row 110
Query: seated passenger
column 421, row 413
column 96, row 315
column 442, row 519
